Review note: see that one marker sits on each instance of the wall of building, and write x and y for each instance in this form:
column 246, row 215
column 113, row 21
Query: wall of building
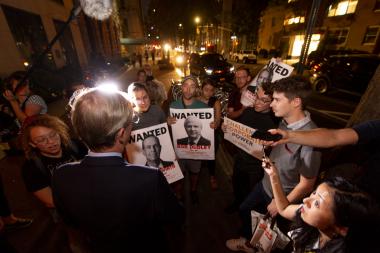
column 271, row 27
column 10, row 58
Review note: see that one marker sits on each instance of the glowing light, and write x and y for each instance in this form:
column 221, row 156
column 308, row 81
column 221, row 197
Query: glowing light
column 166, row 47
column 26, row 64
column 108, row 86
column 179, row 72
column 179, row 59
column 197, row 20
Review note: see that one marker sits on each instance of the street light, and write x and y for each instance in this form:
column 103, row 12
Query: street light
column 197, row 20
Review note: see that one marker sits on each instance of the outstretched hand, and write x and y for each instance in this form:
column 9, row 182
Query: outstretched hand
column 284, row 139
column 268, row 166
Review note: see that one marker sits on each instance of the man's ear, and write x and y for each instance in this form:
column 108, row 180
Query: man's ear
column 297, row 102
column 249, row 78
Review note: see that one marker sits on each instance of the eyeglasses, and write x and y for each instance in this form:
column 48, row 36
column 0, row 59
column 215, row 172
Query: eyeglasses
column 43, row 140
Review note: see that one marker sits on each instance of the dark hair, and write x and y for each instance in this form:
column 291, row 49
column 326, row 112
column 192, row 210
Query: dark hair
column 240, row 68
column 133, row 87
column 15, row 76
column 353, row 209
column 208, row 81
column 267, row 88
column 141, row 71
column 294, row 87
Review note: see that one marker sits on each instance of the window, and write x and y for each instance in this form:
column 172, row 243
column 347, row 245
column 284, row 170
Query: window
column 342, row 8
column 294, row 20
column 337, row 36
column 29, row 35
column 377, row 6
column 371, row 35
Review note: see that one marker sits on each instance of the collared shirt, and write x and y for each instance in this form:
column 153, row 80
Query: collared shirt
column 294, row 160
column 104, row 154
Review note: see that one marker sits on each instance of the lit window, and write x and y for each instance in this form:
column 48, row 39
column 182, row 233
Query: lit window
column 371, row 35
column 337, row 36
column 342, row 8
column 294, row 20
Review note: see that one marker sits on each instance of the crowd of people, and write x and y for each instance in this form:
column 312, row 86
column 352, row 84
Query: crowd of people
column 77, row 165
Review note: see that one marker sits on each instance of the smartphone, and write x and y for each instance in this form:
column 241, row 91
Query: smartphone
column 266, row 136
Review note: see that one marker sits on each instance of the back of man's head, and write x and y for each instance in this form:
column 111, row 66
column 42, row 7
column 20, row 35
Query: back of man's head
column 294, row 87
column 97, row 117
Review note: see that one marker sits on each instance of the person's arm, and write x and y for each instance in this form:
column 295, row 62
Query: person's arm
column 281, row 201
column 218, row 113
column 20, row 115
column 45, row 196
column 232, row 114
column 319, row 137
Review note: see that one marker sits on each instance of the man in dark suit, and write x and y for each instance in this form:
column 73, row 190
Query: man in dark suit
column 193, row 127
column 117, row 206
column 152, row 150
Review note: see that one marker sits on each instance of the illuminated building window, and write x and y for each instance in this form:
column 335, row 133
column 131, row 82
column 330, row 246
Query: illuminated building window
column 337, row 36
column 342, row 8
column 371, row 35
column 298, row 43
column 294, row 20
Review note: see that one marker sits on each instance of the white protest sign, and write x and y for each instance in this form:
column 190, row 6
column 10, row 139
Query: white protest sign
column 152, row 147
column 279, row 69
column 240, row 135
column 248, row 96
column 272, row 72
column 193, row 138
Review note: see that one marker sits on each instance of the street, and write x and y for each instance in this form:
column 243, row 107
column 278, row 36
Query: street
column 331, row 110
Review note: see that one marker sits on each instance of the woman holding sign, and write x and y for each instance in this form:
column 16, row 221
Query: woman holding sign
column 208, row 97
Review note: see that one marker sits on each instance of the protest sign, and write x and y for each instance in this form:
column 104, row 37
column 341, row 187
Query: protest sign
column 193, row 137
column 152, row 147
column 240, row 135
column 272, row 72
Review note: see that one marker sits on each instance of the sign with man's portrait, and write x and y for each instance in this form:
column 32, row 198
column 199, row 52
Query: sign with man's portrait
column 273, row 71
column 193, row 137
column 152, row 147
column 240, row 135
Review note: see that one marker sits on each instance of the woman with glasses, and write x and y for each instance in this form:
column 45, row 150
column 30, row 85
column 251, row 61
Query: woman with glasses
column 47, row 145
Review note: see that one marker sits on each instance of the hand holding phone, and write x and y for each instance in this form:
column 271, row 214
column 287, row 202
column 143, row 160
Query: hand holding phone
column 266, row 136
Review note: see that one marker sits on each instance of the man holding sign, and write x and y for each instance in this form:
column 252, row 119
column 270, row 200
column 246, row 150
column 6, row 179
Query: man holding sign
column 188, row 101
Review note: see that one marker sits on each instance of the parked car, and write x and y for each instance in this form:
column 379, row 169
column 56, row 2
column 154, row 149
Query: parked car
column 245, row 56
column 318, row 56
column 211, row 65
column 347, row 72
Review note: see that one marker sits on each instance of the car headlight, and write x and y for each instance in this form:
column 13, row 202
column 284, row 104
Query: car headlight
column 232, row 69
column 208, row 71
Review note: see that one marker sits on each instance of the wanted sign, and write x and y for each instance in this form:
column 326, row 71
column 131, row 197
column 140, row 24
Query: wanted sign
column 272, row 72
column 193, row 138
column 152, row 147
column 240, row 135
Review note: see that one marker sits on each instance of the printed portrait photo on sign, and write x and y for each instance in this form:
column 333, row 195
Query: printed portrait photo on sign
column 192, row 135
column 152, row 147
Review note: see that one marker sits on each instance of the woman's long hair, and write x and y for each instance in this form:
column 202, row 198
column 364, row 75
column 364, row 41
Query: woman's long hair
column 352, row 209
column 47, row 121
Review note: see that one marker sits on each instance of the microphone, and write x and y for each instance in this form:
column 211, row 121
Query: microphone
column 98, row 9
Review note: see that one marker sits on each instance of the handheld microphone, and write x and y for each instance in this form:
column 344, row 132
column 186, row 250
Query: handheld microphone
column 98, row 9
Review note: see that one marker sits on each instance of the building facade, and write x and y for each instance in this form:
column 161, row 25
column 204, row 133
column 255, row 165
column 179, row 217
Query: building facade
column 344, row 24
column 27, row 27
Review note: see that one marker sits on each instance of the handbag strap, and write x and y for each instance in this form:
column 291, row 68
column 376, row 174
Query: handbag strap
column 272, row 219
